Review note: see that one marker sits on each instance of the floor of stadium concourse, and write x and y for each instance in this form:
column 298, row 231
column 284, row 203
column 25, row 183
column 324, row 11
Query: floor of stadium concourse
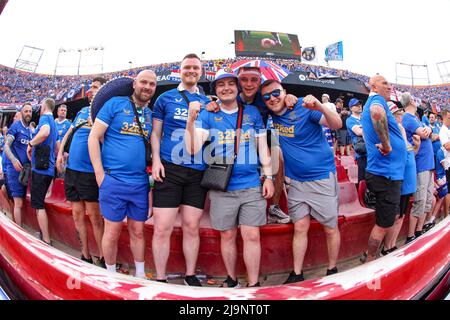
column 207, row 281
column 266, row 280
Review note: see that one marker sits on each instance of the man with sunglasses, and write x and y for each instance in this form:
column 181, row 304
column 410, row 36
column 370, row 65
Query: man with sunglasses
column 249, row 80
column 309, row 163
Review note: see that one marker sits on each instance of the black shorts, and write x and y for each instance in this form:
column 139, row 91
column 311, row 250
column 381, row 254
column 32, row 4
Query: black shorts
column 80, row 186
column 38, row 190
column 181, row 186
column 362, row 164
column 343, row 137
column 387, row 193
column 404, row 201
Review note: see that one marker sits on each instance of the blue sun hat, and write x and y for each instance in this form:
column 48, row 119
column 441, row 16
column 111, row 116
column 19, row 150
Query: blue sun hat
column 222, row 74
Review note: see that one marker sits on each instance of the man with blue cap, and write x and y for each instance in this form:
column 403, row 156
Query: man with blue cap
column 243, row 204
column 355, row 132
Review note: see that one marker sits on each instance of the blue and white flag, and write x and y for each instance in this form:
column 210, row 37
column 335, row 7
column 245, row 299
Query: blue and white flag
column 334, row 52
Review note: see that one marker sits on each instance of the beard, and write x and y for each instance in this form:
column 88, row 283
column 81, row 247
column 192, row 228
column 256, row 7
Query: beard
column 143, row 96
column 26, row 119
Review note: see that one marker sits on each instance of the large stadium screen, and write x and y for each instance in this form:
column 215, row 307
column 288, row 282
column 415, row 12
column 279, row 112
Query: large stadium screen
column 266, row 43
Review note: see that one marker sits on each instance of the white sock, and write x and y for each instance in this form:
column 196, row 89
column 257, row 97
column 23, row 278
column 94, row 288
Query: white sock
column 111, row 268
column 140, row 269
column 431, row 219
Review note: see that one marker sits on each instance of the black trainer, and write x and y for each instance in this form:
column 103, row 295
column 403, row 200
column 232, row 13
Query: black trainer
column 418, row 233
column 86, row 259
column 161, row 280
column 293, row 277
column 192, row 281
column 363, row 258
column 255, row 285
column 409, row 239
column 332, row 271
column 429, row 225
column 102, row 263
column 230, row 283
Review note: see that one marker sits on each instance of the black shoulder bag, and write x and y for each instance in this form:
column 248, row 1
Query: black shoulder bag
column 148, row 149
column 217, row 176
column 70, row 136
column 360, row 146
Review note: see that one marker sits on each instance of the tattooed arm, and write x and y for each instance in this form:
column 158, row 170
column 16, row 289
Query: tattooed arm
column 16, row 163
column 380, row 124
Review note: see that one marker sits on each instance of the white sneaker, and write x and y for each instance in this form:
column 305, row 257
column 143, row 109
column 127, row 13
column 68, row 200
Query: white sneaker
column 276, row 215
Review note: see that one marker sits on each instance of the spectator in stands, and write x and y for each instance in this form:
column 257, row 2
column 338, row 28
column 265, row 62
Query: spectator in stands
column 43, row 166
column 355, row 132
column 425, row 119
column 444, row 136
column 243, row 204
column 329, row 134
column 343, row 139
column 386, row 157
column 309, row 164
column 80, row 185
column 16, row 144
column 177, row 178
column 423, row 198
column 62, row 123
column 435, row 128
column 120, row 168
column 409, row 184
column 442, row 188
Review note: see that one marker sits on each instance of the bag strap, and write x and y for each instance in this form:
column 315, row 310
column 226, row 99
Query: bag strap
column 139, row 123
column 185, row 97
column 237, row 136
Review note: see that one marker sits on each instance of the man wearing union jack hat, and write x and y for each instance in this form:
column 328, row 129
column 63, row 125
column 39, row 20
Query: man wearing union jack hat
column 250, row 79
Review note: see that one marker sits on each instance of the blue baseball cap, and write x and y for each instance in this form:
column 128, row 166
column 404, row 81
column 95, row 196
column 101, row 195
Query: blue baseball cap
column 222, row 74
column 353, row 102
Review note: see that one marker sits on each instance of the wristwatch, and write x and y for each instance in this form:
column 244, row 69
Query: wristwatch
column 268, row 177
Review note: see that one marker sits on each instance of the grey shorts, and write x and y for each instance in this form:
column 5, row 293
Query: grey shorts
column 423, row 198
column 318, row 198
column 240, row 207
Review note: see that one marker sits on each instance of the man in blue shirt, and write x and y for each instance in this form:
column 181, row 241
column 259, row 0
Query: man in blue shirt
column 41, row 151
column 120, row 168
column 355, row 132
column 80, row 185
column 62, row 123
column 177, row 173
column 423, row 198
column 309, row 163
column 386, row 157
column 243, row 204
column 17, row 139
column 435, row 128
column 249, row 85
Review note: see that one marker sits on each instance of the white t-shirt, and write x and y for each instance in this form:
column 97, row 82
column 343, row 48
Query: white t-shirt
column 330, row 106
column 444, row 137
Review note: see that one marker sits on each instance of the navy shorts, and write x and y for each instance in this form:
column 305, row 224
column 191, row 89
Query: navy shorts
column 16, row 189
column 119, row 200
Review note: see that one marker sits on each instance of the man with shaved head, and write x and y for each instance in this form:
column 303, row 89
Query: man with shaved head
column 386, row 157
column 120, row 168
column 80, row 185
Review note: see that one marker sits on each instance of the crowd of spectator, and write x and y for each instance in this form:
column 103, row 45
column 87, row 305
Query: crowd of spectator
column 17, row 87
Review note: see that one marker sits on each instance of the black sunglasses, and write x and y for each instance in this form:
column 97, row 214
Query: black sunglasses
column 276, row 93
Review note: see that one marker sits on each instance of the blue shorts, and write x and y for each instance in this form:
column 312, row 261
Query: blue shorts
column 119, row 200
column 15, row 187
column 442, row 191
